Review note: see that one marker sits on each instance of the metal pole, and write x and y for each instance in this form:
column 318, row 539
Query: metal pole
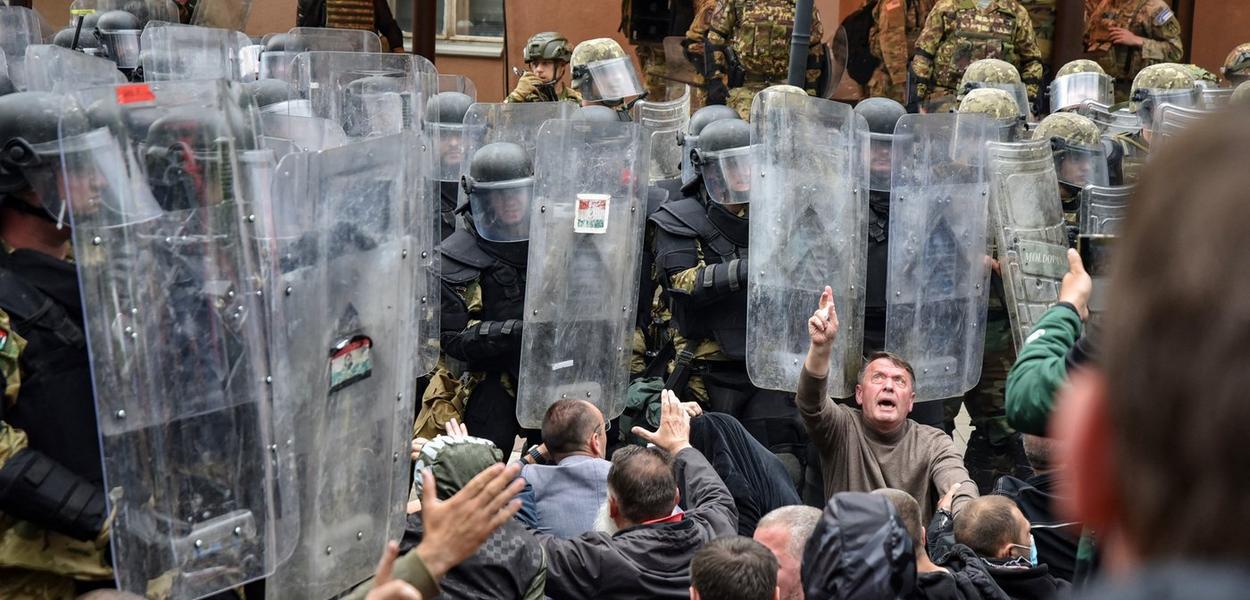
column 424, row 13
column 800, row 40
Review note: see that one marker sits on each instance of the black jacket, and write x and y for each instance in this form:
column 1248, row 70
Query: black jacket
column 1030, row 583
column 859, row 549
column 969, row 578
column 644, row 561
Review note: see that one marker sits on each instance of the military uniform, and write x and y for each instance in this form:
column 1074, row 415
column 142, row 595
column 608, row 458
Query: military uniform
column 531, row 89
column 1150, row 19
column 1042, row 13
column 896, row 25
column 756, row 34
column 958, row 33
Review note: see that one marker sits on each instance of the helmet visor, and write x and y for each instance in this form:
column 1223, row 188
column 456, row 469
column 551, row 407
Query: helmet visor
column 612, row 79
column 1148, row 101
column 448, row 140
column 1079, row 166
column 881, row 161
column 727, row 175
column 121, row 47
column 501, row 209
column 1071, row 91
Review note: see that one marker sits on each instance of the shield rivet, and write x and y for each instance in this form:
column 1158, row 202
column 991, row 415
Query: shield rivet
column 199, row 543
column 360, row 535
column 268, row 379
column 395, row 457
column 251, row 218
column 121, row 414
column 289, row 290
column 425, row 255
column 329, row 549
column 587, row 394
column 542, row 208
column 238, row 531
column 95, row 241
column 404, row 254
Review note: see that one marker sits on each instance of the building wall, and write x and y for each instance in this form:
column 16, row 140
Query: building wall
column 1219, row 26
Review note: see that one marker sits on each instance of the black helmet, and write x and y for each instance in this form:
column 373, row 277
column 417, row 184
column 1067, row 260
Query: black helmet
column 500, row 161
column 725, row 134
column 270, row 91
column 708, row 114
column 447, row 107
column 31, row 127
column 596, row 113
column 882, row 114
column 364, row 113
column 499, row 185
column 118, row 20
column 276, row 42
column 723, row 158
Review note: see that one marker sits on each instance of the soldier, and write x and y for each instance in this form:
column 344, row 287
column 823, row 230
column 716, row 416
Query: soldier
column 1129, row 35
column 1079, row 81
column 546, row 54
column 994, row 449
column 1042, row 13
column 896, row 24
column 604, row 74
column 960, row 32
column 1236, row 69
column 444, row 116
column 52, row 502
column 750, row 44
column 483, row 273
column 647, row 24
column 693, row 45
column 1080, row 160
column 1166, row 83
column 366, row 15
column 998, row 74
column 701, row 259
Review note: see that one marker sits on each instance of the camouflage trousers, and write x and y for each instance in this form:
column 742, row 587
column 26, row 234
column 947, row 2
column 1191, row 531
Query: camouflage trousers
column 994, row 448
column 655, row 77
column 740, row 98
column 42, row 565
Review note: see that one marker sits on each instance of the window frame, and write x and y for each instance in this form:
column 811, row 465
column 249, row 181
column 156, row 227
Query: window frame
column 455, row 44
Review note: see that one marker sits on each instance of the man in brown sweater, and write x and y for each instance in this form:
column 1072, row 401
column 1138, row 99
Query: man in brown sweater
column 875, row 446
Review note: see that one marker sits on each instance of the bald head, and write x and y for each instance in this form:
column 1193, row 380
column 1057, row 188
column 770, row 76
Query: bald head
column 570, row 426
column 992, row 526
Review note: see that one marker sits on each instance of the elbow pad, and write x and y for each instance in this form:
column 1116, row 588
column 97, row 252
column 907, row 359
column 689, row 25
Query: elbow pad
column 35, row 488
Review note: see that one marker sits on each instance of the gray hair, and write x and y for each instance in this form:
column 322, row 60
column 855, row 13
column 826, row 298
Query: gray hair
column 798, row 520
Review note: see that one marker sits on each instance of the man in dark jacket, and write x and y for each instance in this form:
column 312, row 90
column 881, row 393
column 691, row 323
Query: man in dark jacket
column 859, row 549
column 649, row 555
column 994, row 528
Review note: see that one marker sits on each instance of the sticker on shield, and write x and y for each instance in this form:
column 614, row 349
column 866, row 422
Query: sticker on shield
column 591, row 215
column 350, row 361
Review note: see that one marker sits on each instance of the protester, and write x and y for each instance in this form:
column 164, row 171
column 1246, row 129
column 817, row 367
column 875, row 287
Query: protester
column 1038, row 499
column 859, row 549
column 756, row 478
column 994, row 528
column 563, row 496
column 875, row 446
column 734, row 568
column 785, row 532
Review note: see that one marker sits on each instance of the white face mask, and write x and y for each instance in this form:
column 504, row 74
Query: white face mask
column 981, row 4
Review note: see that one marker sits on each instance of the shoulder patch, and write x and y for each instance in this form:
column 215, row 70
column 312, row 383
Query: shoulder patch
column 1034, row 336
column 1163, row 16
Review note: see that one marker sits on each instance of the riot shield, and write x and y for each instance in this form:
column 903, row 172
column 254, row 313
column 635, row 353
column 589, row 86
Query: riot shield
column 276, row 64
column 321, row 39
column 340, row 294
column 1029, row 231
column 680, row 69
column 225, row 14
column 457, row 83
column 664, row 121
column 1103, row 208
column 173, row 52
column 1171, row 121
column 834, row 63
column 517, row 122
column 249, row 62
column 1215, row 98
column 809, row 229
column 1109, row 121
column 19, row 28
column 937, row 287
column 582, row 280
column 193, row 464
column 122, row 46
column 369, row 94
column 300, row 134
column 1072, row 91
column 61, row 70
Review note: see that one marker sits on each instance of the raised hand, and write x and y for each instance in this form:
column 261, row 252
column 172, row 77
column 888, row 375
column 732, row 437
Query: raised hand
column 673, row 434
column 823, row 326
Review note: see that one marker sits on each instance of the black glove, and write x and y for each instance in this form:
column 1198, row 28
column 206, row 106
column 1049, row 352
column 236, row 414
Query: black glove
column 35, row 488
column 717, row 93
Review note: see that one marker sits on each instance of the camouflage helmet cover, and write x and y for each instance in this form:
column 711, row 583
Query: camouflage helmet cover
column 1080, row 65
column 786, row 88
column 1070, row 127
column 1237, row 64
column 995, row 103
column 1201, row 74
column 989, row 71
column 596, row 50
column 548, row 45
column 1164, row 76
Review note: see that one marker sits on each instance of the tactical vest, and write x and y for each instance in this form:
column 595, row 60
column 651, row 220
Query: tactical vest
column 350, row 14
column 878, row 248
column 762, row 41
column 499, row 269
column 55, row 404
column 976, row 35
column 448, row 197
column 722, row 237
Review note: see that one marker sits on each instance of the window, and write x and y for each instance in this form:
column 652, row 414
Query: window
column 459, row 20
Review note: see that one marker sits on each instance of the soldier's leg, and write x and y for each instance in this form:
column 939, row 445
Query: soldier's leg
column 994, row 448
column 740, row 100
column 654, row 69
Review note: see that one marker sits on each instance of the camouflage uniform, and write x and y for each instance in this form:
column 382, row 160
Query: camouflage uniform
column 1042, row 13
column 1150, row 19
column 896, row 25
column 958, row 33
column 36, row 563
column 1236, row 69
column 758, row 34
column 530, row 89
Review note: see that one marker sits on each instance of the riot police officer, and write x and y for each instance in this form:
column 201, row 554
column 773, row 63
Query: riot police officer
column 1080, row 81
column 1166, row 83
column 444, row 117
column 547, row 55
column 604, row 74
column 51, row 482
column 483, row 283
column 1080, row 159
column 1236, row 69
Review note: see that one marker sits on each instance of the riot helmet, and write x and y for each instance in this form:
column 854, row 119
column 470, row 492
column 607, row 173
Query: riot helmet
column 187, row 154
column 996, row 74
column 1080, row 81
column 882, row 114
column 724, row 160
column 1236, row 67
column 1241, row 94
column 603, row 72
column 597, row 114
column 376, row 105
column 1080, row 157
column 500, row 186
column 999, row 106
column 35, row 129
column 444, row 119
column 785, row 88
column 690, row 140
column 270, row 91
column 118, row 32
column 1165, row 83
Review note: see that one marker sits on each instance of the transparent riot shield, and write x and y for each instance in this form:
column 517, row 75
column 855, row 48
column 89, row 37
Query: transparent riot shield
column 61, row 70
column 937, row 288
column 457, row 83
column 300, row 134
column 321, row 39
column 1109, row 121
column 19, row 27
column 517, row 122
column 173, row 52
column 1071, row 91
column 664, row 121
column 836, row 55
column 340, row 297
column 1103, row 209
column 369, row 94
column 1029, row 232
column 1215, row 98
column 225, row 14
column 193, row 465
column 809, row 228
column 582, row 280
column 122, row 45
column 1171, row 121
